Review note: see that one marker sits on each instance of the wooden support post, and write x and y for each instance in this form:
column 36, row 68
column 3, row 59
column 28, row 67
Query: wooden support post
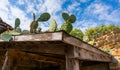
column 71, row 63
column 7, row 63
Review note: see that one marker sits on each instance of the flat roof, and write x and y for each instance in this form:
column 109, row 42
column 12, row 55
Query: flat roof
column 84, row 50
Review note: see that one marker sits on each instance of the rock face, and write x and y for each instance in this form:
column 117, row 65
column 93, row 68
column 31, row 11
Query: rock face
column 111, row 41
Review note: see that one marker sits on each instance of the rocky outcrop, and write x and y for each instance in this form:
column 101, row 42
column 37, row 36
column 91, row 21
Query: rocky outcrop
column 111, row 41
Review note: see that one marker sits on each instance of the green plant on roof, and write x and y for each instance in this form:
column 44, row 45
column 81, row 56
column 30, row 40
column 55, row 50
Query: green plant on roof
column 34, row 24
column 53, row 26
column 17, row 23
column 69, row 19
column 25, row 32
column 7, row 35
column 77, row 33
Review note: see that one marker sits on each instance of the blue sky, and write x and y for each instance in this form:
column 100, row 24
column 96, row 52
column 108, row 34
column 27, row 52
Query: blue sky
column 89, row 13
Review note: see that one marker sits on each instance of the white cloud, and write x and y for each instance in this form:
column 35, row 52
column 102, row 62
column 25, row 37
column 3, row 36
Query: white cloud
column 52, row 6
column 74, row 6
column 16, row 12
column 11, row 12
column 21, row 2
column 85, row 24
column 30, row 8
column 97, row 9
column 4, row 5
column 103, row 12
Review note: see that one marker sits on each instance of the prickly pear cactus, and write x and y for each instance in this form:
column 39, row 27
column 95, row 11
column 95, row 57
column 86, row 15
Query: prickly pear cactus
column 53, row 26
column 65, row 16
column 17, row 22
column 34, row 24
column 67, row 27
column 44, row 17
column 72, row 18
column 6, row 37
column 18, row 29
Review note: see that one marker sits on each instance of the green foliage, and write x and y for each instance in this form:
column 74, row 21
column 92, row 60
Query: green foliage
column 53, row 26
column 100, row 30
column 67, row 25
column 77, row 33
column 17, row 22
column 25, row 32
column 109, row 51
column 6, row 37
column 85, row 38
column 92, row 42
column 44, row 17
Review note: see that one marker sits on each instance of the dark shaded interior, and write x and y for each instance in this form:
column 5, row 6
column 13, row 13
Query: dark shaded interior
column 33, row 65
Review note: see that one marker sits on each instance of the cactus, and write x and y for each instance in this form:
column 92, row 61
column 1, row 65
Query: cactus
column 65, row 16
column 67, row 25
column 6, row 37
column 44, row 17
column 18, row 29
column 17, row 22
column 72, row 18
column 53, row 26
column 34, row 25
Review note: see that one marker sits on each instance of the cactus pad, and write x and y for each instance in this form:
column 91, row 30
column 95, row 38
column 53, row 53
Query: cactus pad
column 72, row 18
column 65, row 16
column 44, row 17
column 17, row 22
column 53, row 26
column 67, row 27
